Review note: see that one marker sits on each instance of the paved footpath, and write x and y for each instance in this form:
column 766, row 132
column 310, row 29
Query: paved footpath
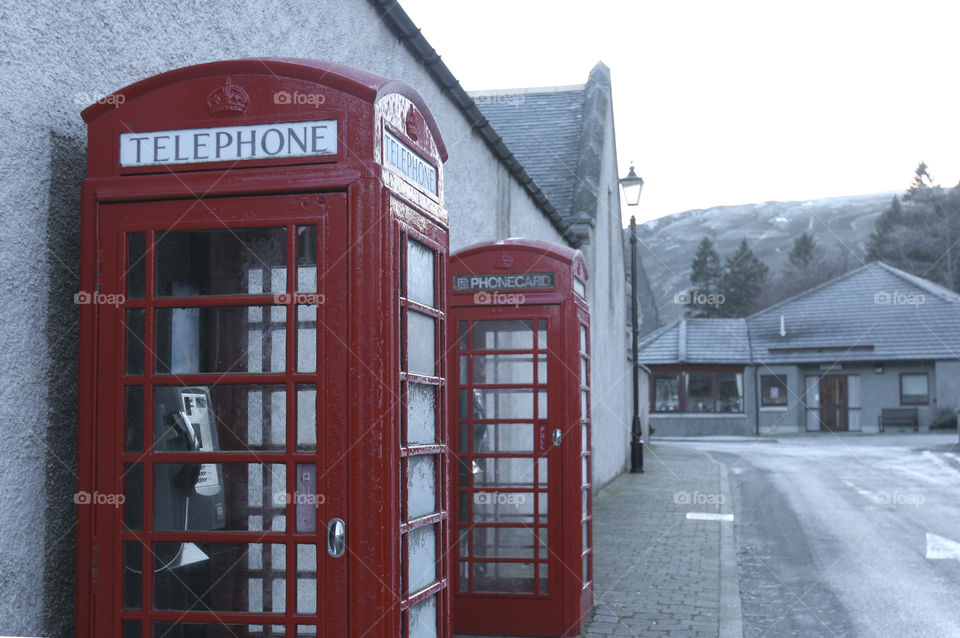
column 658, row 573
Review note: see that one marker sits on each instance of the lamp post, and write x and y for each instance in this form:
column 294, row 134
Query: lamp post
column 632, row 184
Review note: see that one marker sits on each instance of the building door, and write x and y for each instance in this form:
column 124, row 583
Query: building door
column 222, row 426
column 509, row 432
column 833, row 403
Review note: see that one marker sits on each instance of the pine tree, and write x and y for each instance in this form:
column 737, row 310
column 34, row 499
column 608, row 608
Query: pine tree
column 804, row 253
column 885, row 225
column 704, row 277
column 741, row 282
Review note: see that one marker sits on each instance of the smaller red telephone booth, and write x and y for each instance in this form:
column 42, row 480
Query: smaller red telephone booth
column 520, row 417
column 262, row 446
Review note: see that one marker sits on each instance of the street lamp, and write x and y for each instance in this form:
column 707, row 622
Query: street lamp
column 632, row 184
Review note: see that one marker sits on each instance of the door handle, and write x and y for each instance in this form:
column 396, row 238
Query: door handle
column 557, row 436
column 336, row 537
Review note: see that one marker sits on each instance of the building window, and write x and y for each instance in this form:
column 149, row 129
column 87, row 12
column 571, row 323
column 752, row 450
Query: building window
column 698, row 391
column 914, row 389
column 773, row 389
column 666, row 393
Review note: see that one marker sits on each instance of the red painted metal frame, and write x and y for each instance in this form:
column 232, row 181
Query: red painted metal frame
column 369, row 261
column 570, row 600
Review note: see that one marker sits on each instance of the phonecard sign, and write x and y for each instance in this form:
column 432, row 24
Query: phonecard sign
column 398, row 155
column 229, row 143
column 514, row 281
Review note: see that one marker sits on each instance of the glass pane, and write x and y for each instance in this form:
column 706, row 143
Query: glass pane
column 421, row 485
column 133, row 402
column 773, row 390
column 503, row 542
column 136, row 265
column 508, row 334
column 221, row 339
column 541, row 369
column 587, row 575
column 503, row 472
column 307, row 258
column 421, row 413
column 503, row 437
column 729, row 392
column 584, row 404
column 219, row 496
column 914, row 388
column 514, row 403
column 209, row 576
column 543, row 506
column 462, row 328
column 134, row 339
column 812, row 394
column 503, row 507
column 544, row 578
column 464, row 577
column 585, row 508
column 306, row 338
column 231, row 261
column 585, row 536
column 584, row 379
column 503, row 369
column 218, row 630
column 542, row 405
column 579, row 287
column 306, row 631
column 541, row 334
column 306, row 417
column 131, row 629
column 420, row 273
column 133, row 496
column 464, row 370
column 542, row 475
column 306, row 579
column 464, row 443
column 229, row 418
column 667, row 393
column 584, row 471
column 508, row 578
column 700, row 392
column 853, row 393
column 421, row 344
column 583, row 340
column 543, row 540
column 132, row 575
column 422, row 558
column 422, row 619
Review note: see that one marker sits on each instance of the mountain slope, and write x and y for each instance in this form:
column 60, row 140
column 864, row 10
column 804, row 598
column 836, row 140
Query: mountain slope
column 840, row 226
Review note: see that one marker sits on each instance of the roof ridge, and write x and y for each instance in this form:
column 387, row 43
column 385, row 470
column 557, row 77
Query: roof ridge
column 808, row 291
column 930, row 286
column 564, row 88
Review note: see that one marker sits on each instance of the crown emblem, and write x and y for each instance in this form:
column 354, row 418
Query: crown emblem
column 414, row 124
column 503, row 262
column 229, row 98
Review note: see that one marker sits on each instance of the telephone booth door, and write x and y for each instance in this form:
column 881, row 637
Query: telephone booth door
column 262, row 445
column 521, row 428
column 231, row 402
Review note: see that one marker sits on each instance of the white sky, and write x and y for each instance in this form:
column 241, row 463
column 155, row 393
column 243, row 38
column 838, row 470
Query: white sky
column 733, row 102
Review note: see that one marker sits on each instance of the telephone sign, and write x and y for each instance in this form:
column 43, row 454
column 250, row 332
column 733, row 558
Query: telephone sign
column 520, row 418
column 265, row 397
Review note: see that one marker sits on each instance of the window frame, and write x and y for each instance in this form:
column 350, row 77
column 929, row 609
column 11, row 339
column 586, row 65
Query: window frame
column 926, row 376
column 681, row 373
column 782, row 378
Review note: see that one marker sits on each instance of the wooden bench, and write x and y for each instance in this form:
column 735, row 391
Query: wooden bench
column 899, row 418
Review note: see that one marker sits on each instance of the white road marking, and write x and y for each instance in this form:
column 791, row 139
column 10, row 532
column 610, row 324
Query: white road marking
column 708, row 516
column 940, row 548
column 948, row 469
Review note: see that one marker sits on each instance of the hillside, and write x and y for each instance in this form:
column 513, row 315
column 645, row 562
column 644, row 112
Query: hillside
column 840, row 225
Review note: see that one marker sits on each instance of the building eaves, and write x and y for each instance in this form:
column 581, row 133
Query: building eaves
column 407, row 32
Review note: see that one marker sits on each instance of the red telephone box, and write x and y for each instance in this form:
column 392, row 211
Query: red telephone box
column 262, row 448
column 520, row 416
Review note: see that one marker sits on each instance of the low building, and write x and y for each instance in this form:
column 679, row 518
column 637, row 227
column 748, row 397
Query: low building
column 874, row 343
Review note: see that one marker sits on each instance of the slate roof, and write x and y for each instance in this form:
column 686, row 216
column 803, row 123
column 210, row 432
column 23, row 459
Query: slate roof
column 873, row 313
column 541, row 127
column 697, row 341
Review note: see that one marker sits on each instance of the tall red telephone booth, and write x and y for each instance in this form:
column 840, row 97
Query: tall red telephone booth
column 520, row 417
column 261, row 449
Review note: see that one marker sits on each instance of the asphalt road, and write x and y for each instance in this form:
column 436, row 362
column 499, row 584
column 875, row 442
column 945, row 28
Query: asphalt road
column 838, row 536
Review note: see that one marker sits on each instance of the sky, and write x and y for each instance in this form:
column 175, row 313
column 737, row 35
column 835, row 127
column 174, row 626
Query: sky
column 733, row 102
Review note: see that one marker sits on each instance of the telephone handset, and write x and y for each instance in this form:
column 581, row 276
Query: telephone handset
column 187, row 496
